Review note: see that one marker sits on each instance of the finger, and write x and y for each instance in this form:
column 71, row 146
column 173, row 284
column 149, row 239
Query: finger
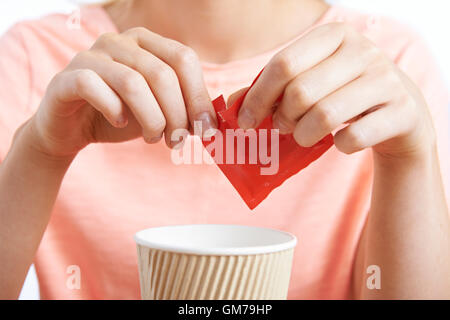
column 234, row 96
column 345, row 65
column 133, row 89
column 286, row 65
column 342, row 106
column 376, row 127
column 161, row 78
column 86, row 85
column 187, row 66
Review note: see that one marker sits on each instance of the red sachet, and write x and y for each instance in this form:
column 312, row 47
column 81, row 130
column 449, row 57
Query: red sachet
column 254, row 178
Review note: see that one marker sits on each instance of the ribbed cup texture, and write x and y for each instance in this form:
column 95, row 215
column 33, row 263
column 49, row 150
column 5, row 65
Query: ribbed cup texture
column 177, row 276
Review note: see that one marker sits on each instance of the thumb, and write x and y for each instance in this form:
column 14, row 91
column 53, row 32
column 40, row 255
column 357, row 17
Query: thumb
column 234, row 96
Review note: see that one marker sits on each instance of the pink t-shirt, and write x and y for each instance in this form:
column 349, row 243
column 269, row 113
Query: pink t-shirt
column 112, row 191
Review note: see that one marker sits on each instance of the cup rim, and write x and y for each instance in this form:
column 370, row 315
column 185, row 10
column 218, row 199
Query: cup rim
column 291, row 242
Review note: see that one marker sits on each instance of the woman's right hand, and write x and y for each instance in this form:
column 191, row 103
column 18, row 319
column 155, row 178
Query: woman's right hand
column 127, row 85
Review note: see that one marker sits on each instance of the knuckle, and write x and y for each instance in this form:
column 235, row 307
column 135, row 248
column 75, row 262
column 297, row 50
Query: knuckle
column 185, row 56
column 163, row 75
column 105, row 39
column 325, row 116
column 83, row 80
column 81, row 57
column 132, row 83
column 55, row 81
column 299, row 94
column 283, row 66
column 136, row 31
column 369, row 51
column 58, row 77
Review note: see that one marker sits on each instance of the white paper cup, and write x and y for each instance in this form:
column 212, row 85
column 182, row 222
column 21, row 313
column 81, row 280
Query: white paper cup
column 197, row 262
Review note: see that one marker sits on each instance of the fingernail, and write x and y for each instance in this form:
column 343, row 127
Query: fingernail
column 122, row 121
column 153, row 139
column 279, row 124
column 246, row 120
column 205, row 125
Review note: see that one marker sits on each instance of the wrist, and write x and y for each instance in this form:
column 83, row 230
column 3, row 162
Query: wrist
column 416, row 148
column 406, row 171
column 27, row 143
column 410, row 161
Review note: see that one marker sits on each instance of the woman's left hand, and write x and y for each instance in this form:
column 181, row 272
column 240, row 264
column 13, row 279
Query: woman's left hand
column 334, row 76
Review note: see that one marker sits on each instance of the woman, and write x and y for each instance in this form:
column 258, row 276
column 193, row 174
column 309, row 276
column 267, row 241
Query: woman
column 138, row 69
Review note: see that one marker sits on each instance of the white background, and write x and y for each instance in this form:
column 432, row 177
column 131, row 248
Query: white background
column 429, row 17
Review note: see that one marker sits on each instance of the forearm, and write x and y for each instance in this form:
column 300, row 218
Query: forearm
column 29, row 183
column 407, row 233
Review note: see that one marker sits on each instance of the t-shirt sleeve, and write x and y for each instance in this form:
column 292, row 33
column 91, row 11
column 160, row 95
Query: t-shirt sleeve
column 418, row 62
column 15, row 86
